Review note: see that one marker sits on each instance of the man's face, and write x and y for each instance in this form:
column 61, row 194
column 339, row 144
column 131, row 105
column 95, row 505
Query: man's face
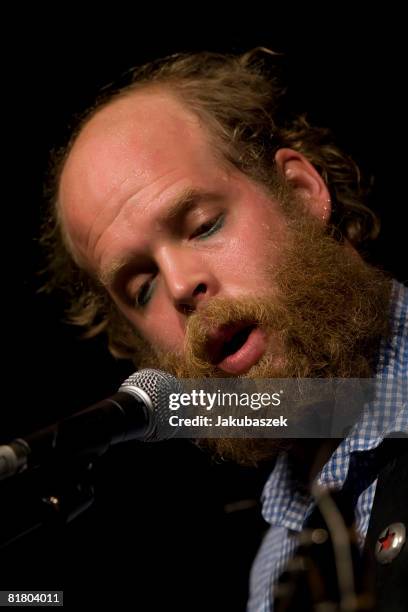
column 218, row 276
column 168, row 227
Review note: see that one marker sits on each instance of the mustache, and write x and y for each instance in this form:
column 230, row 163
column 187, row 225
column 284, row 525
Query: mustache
column 225, row 317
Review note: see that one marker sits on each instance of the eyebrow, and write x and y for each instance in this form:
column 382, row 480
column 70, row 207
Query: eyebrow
column 185, row 201
column 174, row 212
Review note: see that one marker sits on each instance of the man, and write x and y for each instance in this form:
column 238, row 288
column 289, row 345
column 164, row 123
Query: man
column 207, row 235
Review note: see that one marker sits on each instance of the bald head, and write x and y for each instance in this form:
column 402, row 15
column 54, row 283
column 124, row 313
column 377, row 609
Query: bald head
column 118, row 151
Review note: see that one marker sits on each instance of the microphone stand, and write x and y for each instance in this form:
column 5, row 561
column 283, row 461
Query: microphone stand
column 44, row 499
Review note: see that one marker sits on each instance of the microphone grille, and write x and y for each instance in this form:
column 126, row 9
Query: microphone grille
column 158, row 385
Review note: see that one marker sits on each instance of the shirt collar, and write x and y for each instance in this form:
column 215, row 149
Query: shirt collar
column 283, row 503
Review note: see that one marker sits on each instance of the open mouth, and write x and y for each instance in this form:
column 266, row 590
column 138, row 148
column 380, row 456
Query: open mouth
column 235, row 347
column 237, row 341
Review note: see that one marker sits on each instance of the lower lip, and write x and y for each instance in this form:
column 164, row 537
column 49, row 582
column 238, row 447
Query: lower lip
column 247, row 356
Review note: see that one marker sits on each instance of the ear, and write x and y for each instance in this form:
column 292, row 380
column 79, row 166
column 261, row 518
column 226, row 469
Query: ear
column 305, row 179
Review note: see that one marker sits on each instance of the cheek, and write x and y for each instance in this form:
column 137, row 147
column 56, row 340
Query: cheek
column 248, row 258
column 161, row 327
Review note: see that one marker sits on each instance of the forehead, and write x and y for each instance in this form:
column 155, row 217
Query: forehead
column 132, row 142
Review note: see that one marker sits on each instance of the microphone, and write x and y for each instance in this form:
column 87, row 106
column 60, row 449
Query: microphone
column 138, row 411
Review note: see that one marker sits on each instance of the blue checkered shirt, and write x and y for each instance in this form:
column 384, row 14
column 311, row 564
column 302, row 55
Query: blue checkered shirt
column 286, row 508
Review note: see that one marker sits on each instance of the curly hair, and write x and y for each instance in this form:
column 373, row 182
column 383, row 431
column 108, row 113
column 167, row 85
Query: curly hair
column 239, row 99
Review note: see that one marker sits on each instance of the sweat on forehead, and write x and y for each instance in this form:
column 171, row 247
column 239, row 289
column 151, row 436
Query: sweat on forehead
column 119, row 150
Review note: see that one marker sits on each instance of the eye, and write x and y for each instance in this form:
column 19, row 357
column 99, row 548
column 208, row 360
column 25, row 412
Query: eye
column 208, row 228
column 144, row 294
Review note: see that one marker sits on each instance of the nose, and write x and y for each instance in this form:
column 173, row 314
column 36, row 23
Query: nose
column 188, row 279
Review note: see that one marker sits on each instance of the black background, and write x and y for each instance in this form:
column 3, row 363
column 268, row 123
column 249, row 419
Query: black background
column 158, row 533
